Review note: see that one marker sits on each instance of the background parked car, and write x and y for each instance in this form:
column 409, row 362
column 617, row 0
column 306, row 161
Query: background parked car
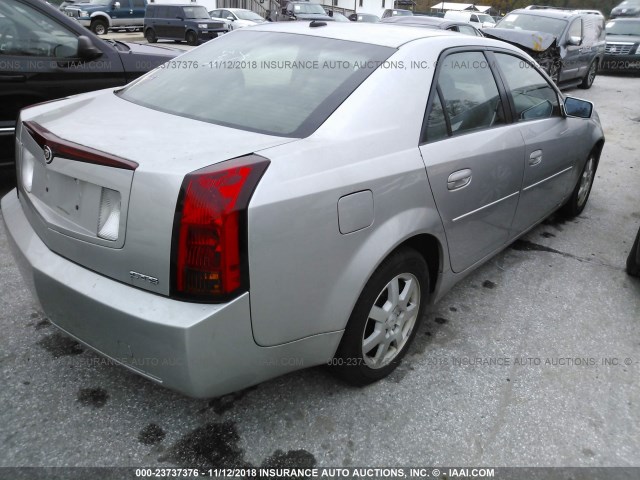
column 101, row 15
column 304, row 11
column 364, row 17
column 633, row 261
column 628, row 8
column 239, row 17
column 396, row 12
column 47, row 55
column 478, row 20
column 568, row 44
column 190, row 23
column 433, row 22
column 262, row 243
column 337, row 16
column 623, row 45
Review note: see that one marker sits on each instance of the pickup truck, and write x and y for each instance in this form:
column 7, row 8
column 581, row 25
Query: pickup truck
column 101, row 15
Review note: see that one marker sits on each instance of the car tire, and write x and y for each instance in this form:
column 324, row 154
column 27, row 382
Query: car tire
column 99, row 27
column 589, row 78
column 633, row 261
column 191, row 37
column 371, row 348
column 578, row 199
column 150, row 35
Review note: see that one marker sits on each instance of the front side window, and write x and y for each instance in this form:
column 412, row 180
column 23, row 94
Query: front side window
column 576, row 29
column 532, row 95
column 470, row 94
column 25, row 31
column 273, row 83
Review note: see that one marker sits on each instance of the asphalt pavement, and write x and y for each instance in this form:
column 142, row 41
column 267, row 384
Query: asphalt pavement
column 533, row 360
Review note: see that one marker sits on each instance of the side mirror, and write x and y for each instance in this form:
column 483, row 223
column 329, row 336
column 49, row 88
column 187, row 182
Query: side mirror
column 284, row 11
column 574, row 107
column 575, row 41
column 230, row 18
column 86, row 49
column 116, row 6
column 180, row 18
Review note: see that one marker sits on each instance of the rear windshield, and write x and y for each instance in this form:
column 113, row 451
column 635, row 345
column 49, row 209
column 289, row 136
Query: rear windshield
column 275, row 83
column 525, row 21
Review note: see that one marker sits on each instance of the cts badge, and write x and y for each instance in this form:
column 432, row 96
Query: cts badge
column 48, row 154
column 141, row 276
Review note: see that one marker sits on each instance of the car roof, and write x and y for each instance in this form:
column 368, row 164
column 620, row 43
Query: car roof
column 389, row 35
column 550, row 12
column 424, row 21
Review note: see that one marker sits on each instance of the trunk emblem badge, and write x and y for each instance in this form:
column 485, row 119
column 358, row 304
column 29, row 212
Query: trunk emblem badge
column 48, row 154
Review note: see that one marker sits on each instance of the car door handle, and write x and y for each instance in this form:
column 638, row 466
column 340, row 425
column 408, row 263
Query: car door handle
column 459, row 179
column 12, row 78
column 535, row 158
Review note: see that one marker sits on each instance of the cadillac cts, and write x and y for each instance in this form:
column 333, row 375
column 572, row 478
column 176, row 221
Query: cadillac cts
column 217, row 218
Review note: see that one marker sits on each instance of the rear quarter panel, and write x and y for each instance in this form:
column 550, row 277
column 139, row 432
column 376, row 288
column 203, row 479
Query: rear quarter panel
column 305, row 275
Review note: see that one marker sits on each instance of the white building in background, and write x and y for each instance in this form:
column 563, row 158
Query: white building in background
column 444, row 6
column 375, row 7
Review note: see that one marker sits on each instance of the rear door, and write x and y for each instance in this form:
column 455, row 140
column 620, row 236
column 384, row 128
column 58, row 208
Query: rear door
column 39, row 56
column 138, row 8
column 473, row 157
column 121, row 13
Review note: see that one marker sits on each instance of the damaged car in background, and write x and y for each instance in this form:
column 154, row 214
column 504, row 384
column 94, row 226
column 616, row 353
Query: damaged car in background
column 568, row 44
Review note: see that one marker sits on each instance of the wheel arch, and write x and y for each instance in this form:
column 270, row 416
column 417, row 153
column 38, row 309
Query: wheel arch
column 101, row 16
column 430, row 248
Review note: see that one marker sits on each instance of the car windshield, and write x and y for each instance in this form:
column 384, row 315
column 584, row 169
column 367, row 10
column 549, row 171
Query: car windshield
column 519, row 21
column 199, row 13
column 623, row 28
column 486, row 18
column 248, row 15
column 267, row 82
column 309, row 8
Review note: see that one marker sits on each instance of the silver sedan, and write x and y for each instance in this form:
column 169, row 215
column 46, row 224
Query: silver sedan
column 288, row 195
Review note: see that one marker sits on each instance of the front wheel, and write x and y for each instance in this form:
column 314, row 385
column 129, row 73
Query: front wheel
column 99, row 27
column 192, row 38
column 578, row 199
column 588, row 79
column 150, row 35
column 384, row 320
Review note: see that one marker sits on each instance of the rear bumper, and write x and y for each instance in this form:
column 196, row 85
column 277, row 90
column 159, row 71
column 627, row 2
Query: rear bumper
column 200, row 350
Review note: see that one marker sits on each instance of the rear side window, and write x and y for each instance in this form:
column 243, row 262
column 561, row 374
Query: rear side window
column 470, row 95
column 138, row 4
column 532, row 96
column 274, row 83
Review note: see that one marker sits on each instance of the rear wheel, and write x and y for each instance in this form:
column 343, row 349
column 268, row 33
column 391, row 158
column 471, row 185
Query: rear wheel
column 191, row 38
column 99, row 27
column 150, row 35
column 578, row 199
column 588, row 79
column 384, row 320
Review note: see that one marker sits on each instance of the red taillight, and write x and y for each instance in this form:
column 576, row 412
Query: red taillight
column 209, row 251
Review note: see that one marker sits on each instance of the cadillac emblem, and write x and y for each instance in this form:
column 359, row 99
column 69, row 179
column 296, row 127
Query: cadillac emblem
column 48, row 154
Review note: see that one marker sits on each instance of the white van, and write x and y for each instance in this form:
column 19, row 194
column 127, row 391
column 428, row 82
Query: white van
column 478, row 20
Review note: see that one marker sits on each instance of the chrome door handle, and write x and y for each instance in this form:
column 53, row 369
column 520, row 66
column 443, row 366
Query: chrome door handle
column 459, row 179
column 535, row 158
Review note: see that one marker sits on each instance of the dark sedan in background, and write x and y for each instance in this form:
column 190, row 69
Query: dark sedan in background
column 45, row 55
